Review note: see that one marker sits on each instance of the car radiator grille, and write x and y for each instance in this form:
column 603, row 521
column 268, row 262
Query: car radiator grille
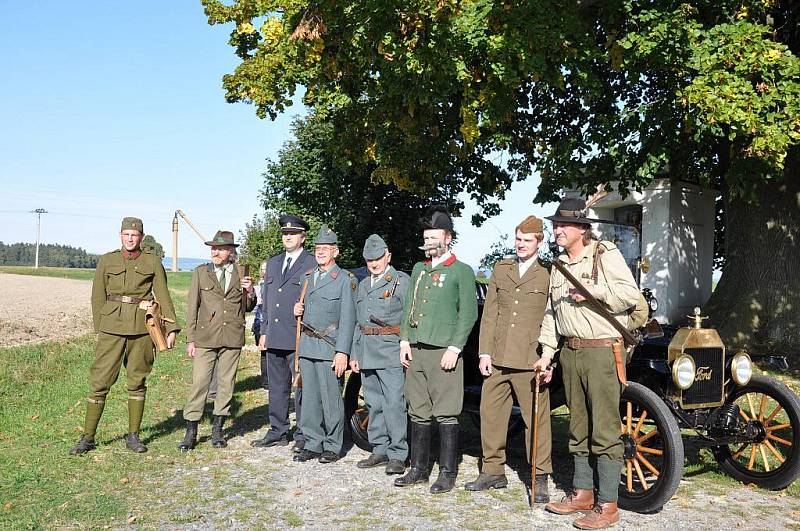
column 710, row 370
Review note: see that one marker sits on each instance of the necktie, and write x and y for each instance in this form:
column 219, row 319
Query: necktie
column 287, row 266
column 374, row 280
column 222, row 279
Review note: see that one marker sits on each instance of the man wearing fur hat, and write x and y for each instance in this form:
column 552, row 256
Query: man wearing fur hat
column 215, row 322
column 125, row 281
column 437, row 318
column 509, row 340
column 588, row 361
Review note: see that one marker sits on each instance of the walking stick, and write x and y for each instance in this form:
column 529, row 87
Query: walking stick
column 535, row 442
column 298, row 381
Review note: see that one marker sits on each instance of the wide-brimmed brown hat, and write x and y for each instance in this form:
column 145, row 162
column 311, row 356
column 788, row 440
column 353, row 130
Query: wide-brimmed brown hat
column 572, row 210
column 222, row 237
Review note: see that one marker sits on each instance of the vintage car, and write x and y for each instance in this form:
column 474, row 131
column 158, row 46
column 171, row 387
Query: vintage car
column 683, row 384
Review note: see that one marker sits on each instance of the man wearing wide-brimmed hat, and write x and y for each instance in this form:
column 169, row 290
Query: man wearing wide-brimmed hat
column 215, row 323
column 588, row 360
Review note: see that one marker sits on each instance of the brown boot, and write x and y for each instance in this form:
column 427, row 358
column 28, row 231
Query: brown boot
column 603, row 515
column 578, row 500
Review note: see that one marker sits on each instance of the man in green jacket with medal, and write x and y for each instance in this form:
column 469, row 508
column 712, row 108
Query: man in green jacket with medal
column 125, row 282
column 438, row 315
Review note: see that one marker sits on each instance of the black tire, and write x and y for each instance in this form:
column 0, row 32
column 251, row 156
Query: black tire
column 653, row 460
column 355, row 412
column 753, row 462
column 515, row 423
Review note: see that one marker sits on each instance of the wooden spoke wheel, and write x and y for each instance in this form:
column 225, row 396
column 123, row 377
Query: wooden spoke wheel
column 772, row 459
column 356, row 413
column 653, row 459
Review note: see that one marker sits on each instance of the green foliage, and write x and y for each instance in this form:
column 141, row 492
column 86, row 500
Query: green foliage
column 50, row 255
column 498, row 251
column 150, row 245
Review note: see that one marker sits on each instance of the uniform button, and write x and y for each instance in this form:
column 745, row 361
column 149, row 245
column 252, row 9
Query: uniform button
column 516, row 289
column 224, row 299
column 277, row 305
column 425, row 301
column 427, row 287
column 276, row 320
column 422, row 315
column 513, row 313
column 224, row 311
column 280, row 289
column 516, row 302
column 512, row 325
column 223, row 324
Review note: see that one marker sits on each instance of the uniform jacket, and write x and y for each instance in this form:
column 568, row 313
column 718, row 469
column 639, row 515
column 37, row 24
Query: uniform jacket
column 329, row 303
column 215, row 319
column 512, row 314
column 384, row 301
column 441, row 305
column 142, row 277
column 278, row 296
column 615, row 287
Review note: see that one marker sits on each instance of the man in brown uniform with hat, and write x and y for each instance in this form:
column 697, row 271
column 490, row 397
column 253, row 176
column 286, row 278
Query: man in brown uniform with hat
column 588, row 362
column 512, row 318
column 124, row 282
column 215, row 320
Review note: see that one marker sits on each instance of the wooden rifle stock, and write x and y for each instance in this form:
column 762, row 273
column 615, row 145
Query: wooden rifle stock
column 298, row 381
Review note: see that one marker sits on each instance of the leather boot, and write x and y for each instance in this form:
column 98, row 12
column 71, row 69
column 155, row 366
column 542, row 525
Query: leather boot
column 372, row 461
column 133, row 443
column 135, row 414
column 542, row 493
column 603, row 515
column 448, row 459
column 94, row 410
column 190, row 439
column 420, row 455
column 578, row 500
column 217, row 440
column 487, row 481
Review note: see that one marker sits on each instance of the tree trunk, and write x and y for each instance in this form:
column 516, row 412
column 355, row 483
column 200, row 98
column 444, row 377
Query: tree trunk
column 757, row 301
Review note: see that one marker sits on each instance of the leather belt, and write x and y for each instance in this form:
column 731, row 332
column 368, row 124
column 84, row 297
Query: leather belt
column 576, row 343
column 380, row 330
column 124, row 298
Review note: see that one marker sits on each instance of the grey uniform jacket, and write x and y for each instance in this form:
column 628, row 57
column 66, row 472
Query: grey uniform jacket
column 329, row 308
column 215, row 319
column 278, row 296
column 383, row 301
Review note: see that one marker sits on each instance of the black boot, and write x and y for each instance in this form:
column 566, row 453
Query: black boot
column 217, row 440
column 190, row 439
column 448, row 458
column 542, row 494
column 133, row 443
column 82, row 446
column 420, row 455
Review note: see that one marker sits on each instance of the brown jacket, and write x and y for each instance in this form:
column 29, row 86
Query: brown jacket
column 512, row 314
column 215, row 319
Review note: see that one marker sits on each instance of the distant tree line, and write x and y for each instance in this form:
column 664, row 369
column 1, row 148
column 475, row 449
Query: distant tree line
column 24, row 254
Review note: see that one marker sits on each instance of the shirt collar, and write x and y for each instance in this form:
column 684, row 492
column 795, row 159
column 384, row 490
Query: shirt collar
column 439, row 259
column 293, row 255
column 131, row 255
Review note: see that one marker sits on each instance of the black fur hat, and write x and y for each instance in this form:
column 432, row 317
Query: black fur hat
column 437, row 217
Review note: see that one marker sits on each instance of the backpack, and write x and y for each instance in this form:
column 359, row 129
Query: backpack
column 638, row 314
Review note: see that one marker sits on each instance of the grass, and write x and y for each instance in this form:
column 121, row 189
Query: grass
column 60, row 272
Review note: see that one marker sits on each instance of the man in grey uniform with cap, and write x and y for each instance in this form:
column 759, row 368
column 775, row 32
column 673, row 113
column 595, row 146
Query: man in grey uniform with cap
column 328, row 319
column 376, row 356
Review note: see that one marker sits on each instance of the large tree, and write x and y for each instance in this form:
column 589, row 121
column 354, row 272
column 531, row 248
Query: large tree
column 477, row 94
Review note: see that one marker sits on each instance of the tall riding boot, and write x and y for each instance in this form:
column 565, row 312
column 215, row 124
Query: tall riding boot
column 135, row 414
column 448, row 458
column 94, row 410
column 420, row 456
column 190, row 438
column 217, row 440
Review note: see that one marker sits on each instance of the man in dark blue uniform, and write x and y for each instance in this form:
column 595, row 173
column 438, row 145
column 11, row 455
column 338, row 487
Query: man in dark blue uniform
column 280, row 292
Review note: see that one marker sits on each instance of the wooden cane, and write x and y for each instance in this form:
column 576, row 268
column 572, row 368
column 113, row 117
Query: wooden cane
column 535, row 442
column 298, row 381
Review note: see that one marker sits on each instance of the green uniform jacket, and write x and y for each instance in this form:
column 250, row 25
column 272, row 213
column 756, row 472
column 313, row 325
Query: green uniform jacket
column 141, row 277
column 329, row 304
column 383, row 301
column 513, row 313
column 215, row 319
column 441, row 305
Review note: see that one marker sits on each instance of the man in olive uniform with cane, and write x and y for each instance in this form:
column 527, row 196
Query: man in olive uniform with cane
column 328, row 317
column 510, row 326
column 437, row 318
column 590, row 361
column 376, row 355
column 125, row 282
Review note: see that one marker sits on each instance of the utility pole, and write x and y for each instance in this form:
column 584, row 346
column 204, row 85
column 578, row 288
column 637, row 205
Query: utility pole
column 38, row 212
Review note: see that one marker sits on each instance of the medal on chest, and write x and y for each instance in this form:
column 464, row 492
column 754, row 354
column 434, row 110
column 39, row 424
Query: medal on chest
column 438, row 279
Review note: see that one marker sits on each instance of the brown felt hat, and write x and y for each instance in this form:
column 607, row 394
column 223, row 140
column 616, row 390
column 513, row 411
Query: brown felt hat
column 222, row 237
column 131, row 223
column 530, row 225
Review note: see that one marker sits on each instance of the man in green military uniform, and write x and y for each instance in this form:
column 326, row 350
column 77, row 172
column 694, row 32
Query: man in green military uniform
column 328, row 317
column 588, row 361
column 215, row 317
column 437, row 318
column 376, row 355
column 510, row 325
column 125, row 282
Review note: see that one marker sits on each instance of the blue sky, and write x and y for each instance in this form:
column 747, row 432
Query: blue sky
column 111, row 109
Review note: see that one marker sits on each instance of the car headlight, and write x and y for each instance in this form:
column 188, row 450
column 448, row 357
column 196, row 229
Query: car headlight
column 683, row 370
column 652, row 302
column 741, row 368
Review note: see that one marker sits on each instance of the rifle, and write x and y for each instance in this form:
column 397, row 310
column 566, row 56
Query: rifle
column 244, row 271
column 319, row 335
column 298, row 380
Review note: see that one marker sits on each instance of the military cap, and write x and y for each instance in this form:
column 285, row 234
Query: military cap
column 223, row 237
column 571, row 210
column 437, row 217
column 374, row 247
column 530, row 225
column 130, row 223
column 291, row 223
column 326, row 237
